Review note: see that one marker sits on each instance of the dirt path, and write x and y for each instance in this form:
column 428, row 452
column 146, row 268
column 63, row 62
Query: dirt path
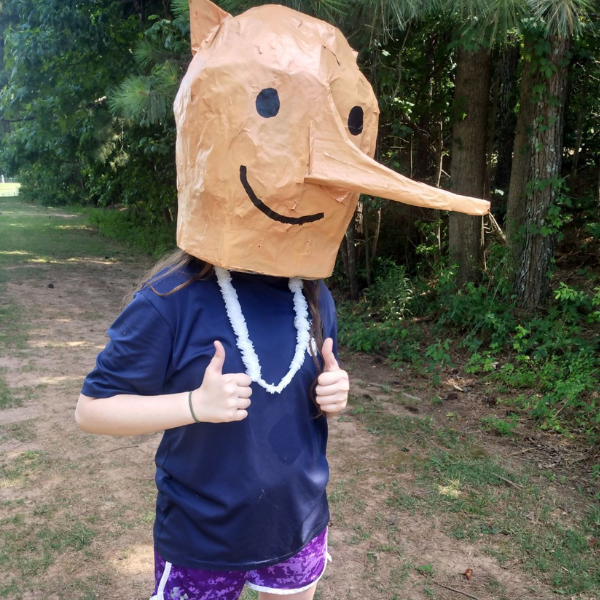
column 76, row 510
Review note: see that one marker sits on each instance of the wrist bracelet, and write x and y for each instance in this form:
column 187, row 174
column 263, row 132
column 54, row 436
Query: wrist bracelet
column 192, row 408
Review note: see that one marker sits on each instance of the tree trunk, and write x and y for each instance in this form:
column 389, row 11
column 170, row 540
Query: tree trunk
column 598, row 190
column 491, row 128
column 519, row 172
column 376, row 237
column 425, row 159
column 506, row 116
column 577, row 149
column 350, row 241
column 469, row 132
column 532, row 281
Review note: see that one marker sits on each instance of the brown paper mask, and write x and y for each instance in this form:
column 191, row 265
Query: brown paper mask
column 276, row 127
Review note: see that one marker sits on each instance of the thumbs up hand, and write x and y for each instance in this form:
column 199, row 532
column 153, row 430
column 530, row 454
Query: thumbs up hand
column 333, row 383
column 222, row 397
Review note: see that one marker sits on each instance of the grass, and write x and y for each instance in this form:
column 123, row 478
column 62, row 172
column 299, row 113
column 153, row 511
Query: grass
column 13, row 329
column 34, row 239
column 516, row 515
column 22, row 432
column 70, row 520
column 525, row 521
column 7, row 398
column 29, row 547
column 153, row 238
column 38, row 243
column 24, row 466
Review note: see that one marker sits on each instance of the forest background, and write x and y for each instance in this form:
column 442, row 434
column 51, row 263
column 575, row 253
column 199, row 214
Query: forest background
column 494, row 99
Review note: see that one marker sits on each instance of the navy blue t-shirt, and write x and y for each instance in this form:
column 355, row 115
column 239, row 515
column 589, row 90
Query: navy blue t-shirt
column 239, row 495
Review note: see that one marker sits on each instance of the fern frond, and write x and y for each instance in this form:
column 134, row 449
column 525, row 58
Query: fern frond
column 180, row 8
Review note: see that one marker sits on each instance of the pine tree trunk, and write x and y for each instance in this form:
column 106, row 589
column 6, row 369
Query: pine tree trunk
column 495, row 89
column 577, row 149
column 519, row 173
column 425, row 159
column 471, row 106
column 506, row 116
column 351, row 264
column 532, row 281
column 598, row 182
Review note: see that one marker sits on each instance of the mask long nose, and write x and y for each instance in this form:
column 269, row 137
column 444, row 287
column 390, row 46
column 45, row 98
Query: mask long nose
column 336, row 162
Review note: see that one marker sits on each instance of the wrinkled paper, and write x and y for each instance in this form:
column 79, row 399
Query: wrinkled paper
column 276, row 130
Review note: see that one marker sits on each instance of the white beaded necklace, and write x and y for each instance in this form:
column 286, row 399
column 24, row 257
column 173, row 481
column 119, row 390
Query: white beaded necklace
column 238, row 323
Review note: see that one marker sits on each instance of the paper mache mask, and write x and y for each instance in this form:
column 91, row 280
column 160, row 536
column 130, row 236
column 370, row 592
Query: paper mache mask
column 276, row 130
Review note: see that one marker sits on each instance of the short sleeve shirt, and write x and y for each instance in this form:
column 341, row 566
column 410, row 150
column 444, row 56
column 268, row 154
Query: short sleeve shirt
column 239, row 495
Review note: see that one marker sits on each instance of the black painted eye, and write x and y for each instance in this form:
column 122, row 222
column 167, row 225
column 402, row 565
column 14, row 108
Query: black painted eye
column 267, row 103
column 355, row 120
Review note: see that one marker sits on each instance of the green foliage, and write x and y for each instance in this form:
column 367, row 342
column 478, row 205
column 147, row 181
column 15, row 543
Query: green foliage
column 391, row 291
column 504, row 427
column 136, row 229
column 60, row 59
column 163, row 53
column 377, row 322
column 554, row 355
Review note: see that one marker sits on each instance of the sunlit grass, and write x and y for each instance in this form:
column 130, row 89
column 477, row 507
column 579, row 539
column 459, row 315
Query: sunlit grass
column 515, row 515
column 43, row 237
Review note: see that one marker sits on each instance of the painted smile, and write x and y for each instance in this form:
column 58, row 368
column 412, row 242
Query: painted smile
column 268, row 211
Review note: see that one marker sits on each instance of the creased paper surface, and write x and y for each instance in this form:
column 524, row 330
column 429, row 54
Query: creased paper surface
column 276, row 130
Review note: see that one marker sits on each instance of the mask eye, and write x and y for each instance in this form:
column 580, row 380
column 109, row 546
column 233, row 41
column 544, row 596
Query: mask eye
column 267, row 103
column 355, row 120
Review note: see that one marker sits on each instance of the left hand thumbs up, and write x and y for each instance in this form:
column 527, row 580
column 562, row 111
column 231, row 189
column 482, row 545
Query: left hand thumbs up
column 333, row 383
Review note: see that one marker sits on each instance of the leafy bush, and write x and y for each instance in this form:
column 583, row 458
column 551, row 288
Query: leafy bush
column 154, row 237
column 554, row 354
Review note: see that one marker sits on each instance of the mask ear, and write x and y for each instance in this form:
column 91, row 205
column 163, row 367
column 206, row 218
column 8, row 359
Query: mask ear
column 205, row 20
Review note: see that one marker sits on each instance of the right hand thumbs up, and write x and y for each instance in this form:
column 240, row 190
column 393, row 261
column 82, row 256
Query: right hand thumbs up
column 221, row 398
column 218, row 360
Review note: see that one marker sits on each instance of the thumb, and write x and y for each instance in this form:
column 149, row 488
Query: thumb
column 330, row 363
column 217, row 361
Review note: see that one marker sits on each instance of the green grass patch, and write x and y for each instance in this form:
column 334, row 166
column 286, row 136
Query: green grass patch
column 22, row 432
column 23, row 467
column 13, row 327
column 7, row 398
column 33, row 237
column 28, row 548
column 514, row 515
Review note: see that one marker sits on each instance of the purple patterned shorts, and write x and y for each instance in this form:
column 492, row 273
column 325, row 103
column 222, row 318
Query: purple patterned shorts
column 292, row 576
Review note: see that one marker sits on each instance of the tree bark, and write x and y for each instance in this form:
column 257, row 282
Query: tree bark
column 519, row 173
column 469, row 132
column 425, row 158
column 532, row 282
column 598, row 182
column 350, row 241
column 506, row 116
column 577, row 149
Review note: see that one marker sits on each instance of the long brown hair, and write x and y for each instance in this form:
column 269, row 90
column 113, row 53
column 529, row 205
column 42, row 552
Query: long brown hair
column 179, row 259
column 171, row 263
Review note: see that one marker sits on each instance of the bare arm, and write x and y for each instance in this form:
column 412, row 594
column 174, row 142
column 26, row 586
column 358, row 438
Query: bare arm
column 221, row 398
column 127, row 414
